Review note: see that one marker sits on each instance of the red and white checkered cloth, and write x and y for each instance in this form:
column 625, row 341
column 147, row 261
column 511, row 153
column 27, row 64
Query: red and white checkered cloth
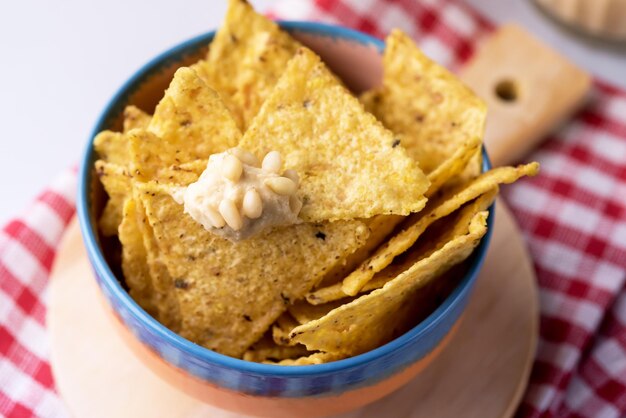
column 27, row 248
column 573, row 216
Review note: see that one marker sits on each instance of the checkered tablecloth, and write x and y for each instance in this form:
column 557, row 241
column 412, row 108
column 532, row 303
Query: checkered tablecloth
column 573, row 217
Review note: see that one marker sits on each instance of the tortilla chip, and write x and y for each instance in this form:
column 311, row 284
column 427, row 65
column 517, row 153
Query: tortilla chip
column 230, row 293
column 380, row 227
column 134, row 264
column 304, row 312
column 266, row 350
column 429, row 107
column 453, row 166
column 436, row 209
column 112, row 147
column 440, row 230
column 282, row 327
column 152, row 159
column 349, row 164
column 373, row 319
column 437, row 235
column 116, row 182
column 325, row 295
column 192, row 121
column 163, row 291
column 135, row 118
column 315, row 358
column 245, row 60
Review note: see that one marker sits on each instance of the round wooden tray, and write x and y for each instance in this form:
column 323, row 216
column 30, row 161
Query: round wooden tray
column 481, row 373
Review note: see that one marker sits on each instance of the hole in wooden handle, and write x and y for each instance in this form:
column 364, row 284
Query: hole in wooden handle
column 507, row 91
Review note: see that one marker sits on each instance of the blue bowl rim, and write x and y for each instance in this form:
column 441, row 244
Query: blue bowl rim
column 115, row 288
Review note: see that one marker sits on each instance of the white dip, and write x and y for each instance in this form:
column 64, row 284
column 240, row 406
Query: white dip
column 236, row 197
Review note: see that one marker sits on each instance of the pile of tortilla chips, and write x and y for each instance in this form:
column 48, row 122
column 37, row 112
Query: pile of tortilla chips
column 394, row 199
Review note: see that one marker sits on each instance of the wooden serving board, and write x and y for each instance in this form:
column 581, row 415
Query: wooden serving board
column 515, row 73
column 482, row 373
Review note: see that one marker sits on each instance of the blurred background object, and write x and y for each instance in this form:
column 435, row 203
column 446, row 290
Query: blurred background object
column 602, row 18
column 604, row 59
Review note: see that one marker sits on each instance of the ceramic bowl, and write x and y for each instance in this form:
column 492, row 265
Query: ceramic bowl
column 237, row 385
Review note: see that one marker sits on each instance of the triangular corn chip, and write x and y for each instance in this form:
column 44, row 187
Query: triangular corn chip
column 266, row 350
column 112, row 147
column 147, row 279
column 113, row 168
column 151, row 160
column 328, row 294
column 324, row 297
column 350, row 165
column 134, row 265
column 164, row 295
column 437, row 235
column 192, row 121
column 282, row 327
column 373, row 319
column 437, row 209
column 135, row 118
column 230, row 293
column 453, row 166
column 303, row 312
column 380, row 227
column 432, row 110
column 144, row 272
column 246, row 58
column 116, row 181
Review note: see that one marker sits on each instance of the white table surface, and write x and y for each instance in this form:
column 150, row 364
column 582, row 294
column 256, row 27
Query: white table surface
column 62, row 60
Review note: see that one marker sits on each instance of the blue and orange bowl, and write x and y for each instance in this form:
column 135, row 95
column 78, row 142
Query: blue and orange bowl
column 238, row 385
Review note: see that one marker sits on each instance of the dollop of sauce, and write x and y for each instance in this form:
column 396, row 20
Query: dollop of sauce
column 238, row 197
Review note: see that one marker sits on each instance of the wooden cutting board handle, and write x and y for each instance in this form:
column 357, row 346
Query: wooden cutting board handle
column 529, row 89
